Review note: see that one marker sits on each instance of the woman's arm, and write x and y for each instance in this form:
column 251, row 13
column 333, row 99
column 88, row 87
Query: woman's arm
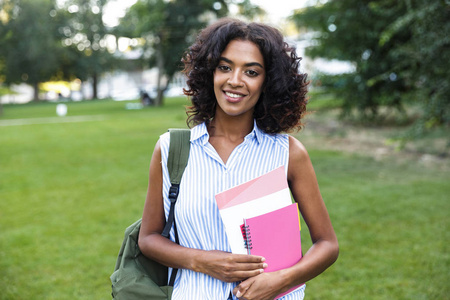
column 305, row 189
column 324, row 251
column 221, row 265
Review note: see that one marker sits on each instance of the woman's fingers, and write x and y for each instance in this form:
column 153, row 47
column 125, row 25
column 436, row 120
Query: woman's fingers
column 242, row 288
column 248, row 262
column 250, row 266
column 234, row 274
column 230, row 267
column 248, row 258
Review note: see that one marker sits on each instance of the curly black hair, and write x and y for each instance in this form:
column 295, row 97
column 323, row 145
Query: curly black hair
column 283, row 100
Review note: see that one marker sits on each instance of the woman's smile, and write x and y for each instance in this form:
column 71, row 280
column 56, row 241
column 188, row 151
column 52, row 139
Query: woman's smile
column 234, row 96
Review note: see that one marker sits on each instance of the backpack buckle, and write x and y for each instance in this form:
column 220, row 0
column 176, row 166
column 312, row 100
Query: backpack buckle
column 173, row 192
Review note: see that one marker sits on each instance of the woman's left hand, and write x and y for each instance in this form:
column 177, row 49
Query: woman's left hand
column 265, row 286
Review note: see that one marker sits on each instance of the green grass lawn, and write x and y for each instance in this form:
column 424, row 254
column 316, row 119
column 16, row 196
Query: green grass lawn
column 68, row 190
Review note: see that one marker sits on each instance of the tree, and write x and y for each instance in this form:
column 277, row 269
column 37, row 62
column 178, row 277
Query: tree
column 168, row 28
column 28, row 45
column 425, row 59
column 399, row 48
column 83, row 35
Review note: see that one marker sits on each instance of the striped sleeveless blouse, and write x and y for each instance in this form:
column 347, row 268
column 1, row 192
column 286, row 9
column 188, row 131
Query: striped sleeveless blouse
column 197, row 215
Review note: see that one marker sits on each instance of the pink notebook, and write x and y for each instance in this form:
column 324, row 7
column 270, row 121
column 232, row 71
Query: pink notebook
column 258, row 196
column 275, row 236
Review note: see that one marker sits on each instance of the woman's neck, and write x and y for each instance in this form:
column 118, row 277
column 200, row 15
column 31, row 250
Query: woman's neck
column 230, row 128
column 226, row 134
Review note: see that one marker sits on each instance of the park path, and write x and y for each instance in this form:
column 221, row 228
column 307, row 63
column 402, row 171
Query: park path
column 51, row 120
column 333, row 134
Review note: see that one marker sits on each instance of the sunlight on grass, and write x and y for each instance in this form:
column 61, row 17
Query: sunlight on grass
column 68, row 190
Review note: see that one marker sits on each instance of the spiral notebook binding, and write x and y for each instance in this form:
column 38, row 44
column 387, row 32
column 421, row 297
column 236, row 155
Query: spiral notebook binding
column 247, row 237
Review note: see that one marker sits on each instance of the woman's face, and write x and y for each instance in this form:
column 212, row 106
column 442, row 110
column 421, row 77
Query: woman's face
column 239, row 78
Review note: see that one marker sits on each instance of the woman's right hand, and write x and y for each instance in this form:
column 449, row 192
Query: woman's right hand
column 229, row 267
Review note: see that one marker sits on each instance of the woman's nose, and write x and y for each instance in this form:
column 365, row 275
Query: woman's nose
column 235, row 79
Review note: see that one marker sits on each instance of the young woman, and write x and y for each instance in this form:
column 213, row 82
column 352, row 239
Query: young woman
column 246, row 90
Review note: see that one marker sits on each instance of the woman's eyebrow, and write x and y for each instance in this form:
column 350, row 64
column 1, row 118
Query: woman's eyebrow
column 250, row 64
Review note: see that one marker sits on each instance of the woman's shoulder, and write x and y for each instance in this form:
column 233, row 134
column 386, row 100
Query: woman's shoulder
column 163, row 144
column 164, row 138
column 297, row 150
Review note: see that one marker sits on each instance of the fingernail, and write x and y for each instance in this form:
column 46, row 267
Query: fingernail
column 263, row 259
column 238, row 294
column 264, row 266
column 261, row 270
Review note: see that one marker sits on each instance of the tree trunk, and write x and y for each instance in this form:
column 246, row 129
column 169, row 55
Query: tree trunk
column 160, row 65
column 83, row 95
column 94, row 86
column 36, row 91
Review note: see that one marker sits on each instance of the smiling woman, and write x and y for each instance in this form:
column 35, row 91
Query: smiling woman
column 246, row 90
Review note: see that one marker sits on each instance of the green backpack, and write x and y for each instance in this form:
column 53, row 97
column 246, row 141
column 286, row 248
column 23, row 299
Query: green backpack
column 136, row 276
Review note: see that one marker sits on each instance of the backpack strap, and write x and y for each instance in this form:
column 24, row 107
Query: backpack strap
column 178, row 153
column 176, row 163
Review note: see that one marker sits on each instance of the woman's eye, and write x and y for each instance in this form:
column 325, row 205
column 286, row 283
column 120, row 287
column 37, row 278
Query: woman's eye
column 223, row 68
column 252, row 73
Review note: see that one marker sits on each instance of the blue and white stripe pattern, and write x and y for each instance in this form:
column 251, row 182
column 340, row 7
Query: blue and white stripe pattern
column 198, row 220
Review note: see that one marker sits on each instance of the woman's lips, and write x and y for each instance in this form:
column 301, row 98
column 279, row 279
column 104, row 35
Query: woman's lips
column 233, row 97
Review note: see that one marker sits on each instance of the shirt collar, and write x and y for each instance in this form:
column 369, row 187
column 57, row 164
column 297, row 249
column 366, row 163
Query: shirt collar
column 200, row 133
column 260, row 135
column 256, row 133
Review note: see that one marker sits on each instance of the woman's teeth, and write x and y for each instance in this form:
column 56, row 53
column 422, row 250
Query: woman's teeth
column 232, row 95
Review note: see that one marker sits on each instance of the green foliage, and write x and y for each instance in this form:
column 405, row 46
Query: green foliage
column 41, row 41
column 167, row 27
column 83, row 34
column 399, row 48
column 68, row 190
column 28, row 43
column 250, row 10
column 170, row 27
